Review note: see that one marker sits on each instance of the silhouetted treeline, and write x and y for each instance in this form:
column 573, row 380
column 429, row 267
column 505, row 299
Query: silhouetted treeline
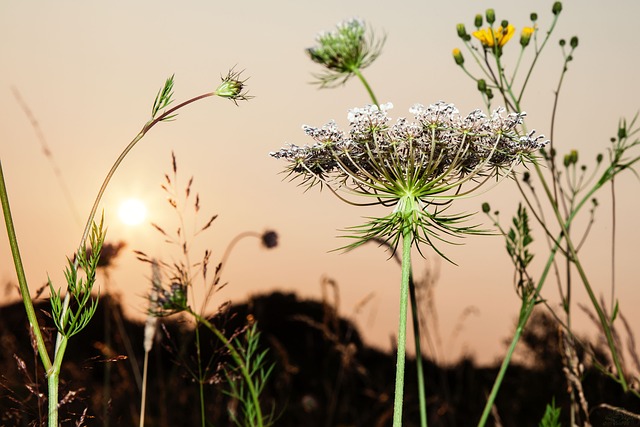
column 324, row 374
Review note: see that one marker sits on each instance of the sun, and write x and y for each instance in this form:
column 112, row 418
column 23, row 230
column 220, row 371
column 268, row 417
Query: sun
column 132, row 211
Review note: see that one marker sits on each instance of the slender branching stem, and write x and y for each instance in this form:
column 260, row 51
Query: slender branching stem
column 526, row 309
column 604, row 321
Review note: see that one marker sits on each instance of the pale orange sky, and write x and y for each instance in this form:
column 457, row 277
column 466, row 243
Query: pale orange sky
column 89, row 72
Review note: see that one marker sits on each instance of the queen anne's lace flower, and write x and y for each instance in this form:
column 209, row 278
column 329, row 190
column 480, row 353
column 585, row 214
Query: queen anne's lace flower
column 344, row 51
column 412, row 164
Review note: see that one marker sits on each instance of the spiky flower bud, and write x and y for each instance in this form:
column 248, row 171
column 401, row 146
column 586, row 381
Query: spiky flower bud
column 491, row 16
column 504, row 23
column 232, row 87
column 557, row 8
column 486, row 208
column 562, row 42
column 457, row 56
column 533, row 17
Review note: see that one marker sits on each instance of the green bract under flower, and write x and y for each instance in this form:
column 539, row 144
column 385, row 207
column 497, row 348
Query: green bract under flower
column 412, row 165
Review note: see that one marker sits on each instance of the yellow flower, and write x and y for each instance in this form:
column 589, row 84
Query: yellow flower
column 490, row 37
column 457, row 56
column 525, row 35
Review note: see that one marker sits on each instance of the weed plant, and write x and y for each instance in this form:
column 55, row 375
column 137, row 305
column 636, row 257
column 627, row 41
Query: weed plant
column 172, row 292
column 73, row 307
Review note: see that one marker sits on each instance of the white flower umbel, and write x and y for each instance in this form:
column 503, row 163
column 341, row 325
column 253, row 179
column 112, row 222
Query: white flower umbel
column 418, row 167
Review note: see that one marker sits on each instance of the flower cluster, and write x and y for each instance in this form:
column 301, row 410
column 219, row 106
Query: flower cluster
column 411, row 164
column 490, row 37
column 433, row 153
column 344, row 52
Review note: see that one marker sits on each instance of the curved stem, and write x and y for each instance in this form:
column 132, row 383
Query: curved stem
column 402, row 325
column 22, row 278
column 357, row 72
column 105, row 183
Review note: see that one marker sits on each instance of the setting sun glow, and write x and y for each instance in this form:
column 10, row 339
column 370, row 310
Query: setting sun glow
column 132, row 212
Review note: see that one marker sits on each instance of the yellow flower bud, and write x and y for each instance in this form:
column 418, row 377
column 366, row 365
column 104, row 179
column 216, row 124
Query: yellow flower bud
column 457, row 56
column 525, row 35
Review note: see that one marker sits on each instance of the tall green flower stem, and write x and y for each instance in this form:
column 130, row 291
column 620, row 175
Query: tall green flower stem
column 422, row 400
column 402, row 325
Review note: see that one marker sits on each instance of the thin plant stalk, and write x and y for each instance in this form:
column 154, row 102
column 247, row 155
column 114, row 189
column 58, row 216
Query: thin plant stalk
column 357, row 72
column 414, row 305
column 22, row 279
column 402, row 325
column 422, row 400
column 526, row 310
column 143, row 399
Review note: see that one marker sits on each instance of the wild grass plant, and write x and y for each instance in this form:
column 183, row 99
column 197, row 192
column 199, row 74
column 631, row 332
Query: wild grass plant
column 418, row 168
column 173, row 292
column 73, row 307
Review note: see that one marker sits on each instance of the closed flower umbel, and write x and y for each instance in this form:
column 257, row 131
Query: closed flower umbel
column 344, row 52
column 416, row 166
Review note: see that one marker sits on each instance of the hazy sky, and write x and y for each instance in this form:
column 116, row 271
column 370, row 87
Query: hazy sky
column 89, row 72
